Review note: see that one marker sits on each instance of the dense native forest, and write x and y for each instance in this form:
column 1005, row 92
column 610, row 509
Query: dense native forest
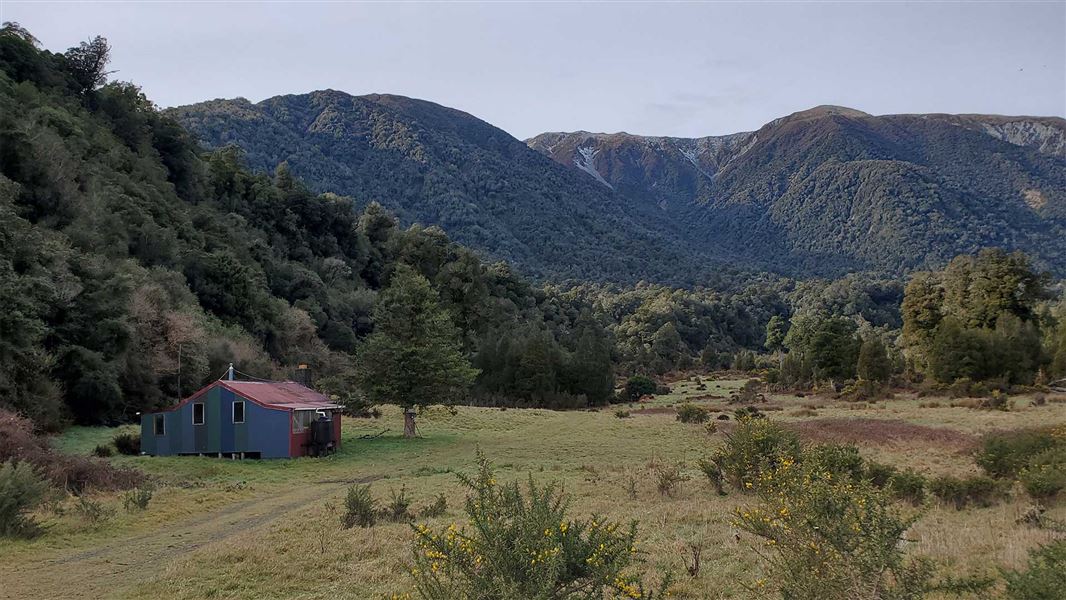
column 135, row 266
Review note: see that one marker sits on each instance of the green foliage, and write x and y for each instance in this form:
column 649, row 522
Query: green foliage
column 874, row 364
column 975, row 490
column 1005, row 454
column 841, row 460
column 755, row 446
column 714, row 474
column 128, row 443
column 976, row 319
column 830, row 537
column 21, row 491
column 361, row 508
column 669, row 477
column 639, row 386
column 828, row 345
column 435, row 509
column 413, row 357
column 776, row 329
column 1044, row 578
column 92, row 511
column 137, row 498
column 520, row 543
column 908, row 486
column 692, row 413
column 398, row 510
column 102, row 451
column 1044, row 476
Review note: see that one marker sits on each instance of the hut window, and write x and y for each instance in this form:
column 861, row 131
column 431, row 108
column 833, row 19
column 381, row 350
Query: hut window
column 197, row 413
column 238, row 411
column 160, row 425
column 301, row 420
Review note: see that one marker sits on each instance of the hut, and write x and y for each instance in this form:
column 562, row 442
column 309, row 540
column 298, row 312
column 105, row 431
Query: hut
column 245, row 419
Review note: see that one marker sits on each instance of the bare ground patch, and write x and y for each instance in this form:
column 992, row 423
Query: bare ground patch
column 861, row 430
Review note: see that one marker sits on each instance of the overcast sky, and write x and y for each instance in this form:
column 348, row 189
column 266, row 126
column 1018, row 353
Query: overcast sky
column 685, row 69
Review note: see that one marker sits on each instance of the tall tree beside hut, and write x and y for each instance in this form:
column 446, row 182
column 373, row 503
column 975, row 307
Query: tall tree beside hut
column 413, row 357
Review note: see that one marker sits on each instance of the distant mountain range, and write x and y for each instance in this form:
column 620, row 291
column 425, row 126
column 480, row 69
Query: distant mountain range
column 820, row 192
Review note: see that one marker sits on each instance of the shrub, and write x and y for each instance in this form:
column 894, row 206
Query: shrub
column 831, row 538
column 399, row 507
column 621, row 413
column 714, row 474
column 102, row 451
column 21, row 491
column 692, row 413
column 755, row 446
column 908, row 486
column 435, row 509
column 842, row 460
column 360, row 507
column 92, row 510
column 880, row 474
column 638, row 386
column 711, row 428
column 18, row 442
column 521, row 544
column 1045, row 575
column 668, row 478
column 976, row 490
column 137, row 499
column 1045, row 474
column 128, row 444
column 1005, row 454
column 747, row 393
column 748, row 412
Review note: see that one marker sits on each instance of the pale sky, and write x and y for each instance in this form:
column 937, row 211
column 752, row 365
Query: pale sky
column 682, row 69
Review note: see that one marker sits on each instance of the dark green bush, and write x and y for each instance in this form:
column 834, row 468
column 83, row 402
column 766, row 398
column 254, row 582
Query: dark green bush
column 137, row 499
column 1044, row 577
column 839, row 459
column 21, row 490
column 880, row 474
column 1044, row 476
column 128, row 444
column 1005, row 454
column 692, row 413
column 638, row 386
column 908, row 486
column 976, row 490
column 103, row 451
column 360, row 507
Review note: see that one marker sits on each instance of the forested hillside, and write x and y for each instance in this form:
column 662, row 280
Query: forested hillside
column 132, row 264
column 835, row 189
column 439, row 166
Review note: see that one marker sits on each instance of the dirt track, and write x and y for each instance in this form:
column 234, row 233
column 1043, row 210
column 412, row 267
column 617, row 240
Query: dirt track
column 107, row 570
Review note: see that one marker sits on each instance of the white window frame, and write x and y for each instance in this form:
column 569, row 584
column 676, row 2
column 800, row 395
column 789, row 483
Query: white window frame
column 159, row 425
column 203, row 413
column 233, row 412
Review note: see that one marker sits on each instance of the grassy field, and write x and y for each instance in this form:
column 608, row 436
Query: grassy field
column 265, row 529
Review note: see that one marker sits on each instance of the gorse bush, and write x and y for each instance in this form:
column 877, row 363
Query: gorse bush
column 435, row 509
column 360, row 507
column 520, row 543
column 102, row 451
column 976, row 490
column 714, row 475
column 692, row 413
column 829, row 537
column 841, row 460
column 755, row 446
column 21, row 490
column 399, row 507
column 128, row 444
column 669, row 477
column 137, row 499
column 1005, row 454
column 1044, row 577
column 908, row 486
column 1044, row 476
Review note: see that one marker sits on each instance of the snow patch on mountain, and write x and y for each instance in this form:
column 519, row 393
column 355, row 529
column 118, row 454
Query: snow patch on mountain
column 586, row 162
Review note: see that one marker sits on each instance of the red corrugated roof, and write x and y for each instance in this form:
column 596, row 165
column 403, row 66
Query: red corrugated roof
column 285, row 395
column 280, row 394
